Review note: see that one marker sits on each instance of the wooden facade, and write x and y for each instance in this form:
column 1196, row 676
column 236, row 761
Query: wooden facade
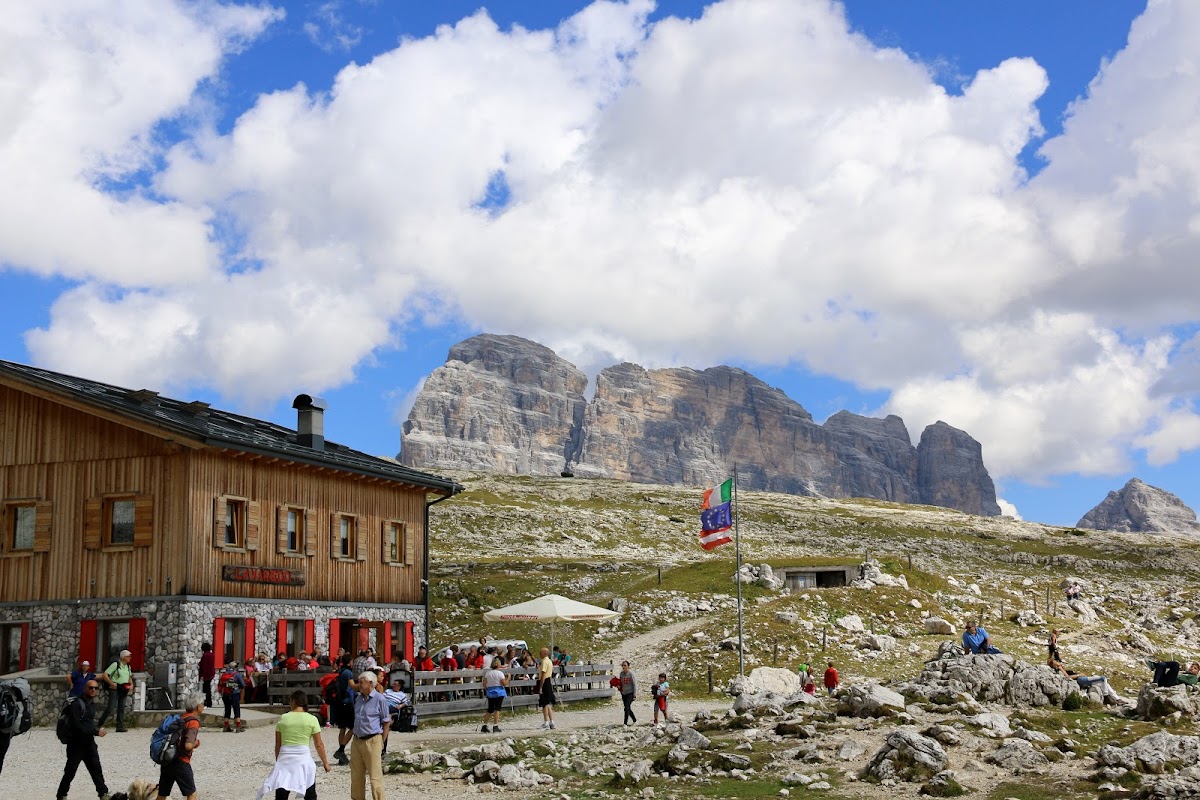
column 72, row 462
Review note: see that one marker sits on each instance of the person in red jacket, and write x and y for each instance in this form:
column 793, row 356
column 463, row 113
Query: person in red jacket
column 831, row 679
column 208, row 671
column 423, row 663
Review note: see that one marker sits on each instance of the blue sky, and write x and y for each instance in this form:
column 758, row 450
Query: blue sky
column 923, row 208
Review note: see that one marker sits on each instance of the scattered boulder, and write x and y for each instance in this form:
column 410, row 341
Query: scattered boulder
column 788, row 617
column 906, row 756
column 618, row 604
column 1153, row 754
column 991, row 721
column 1018, row 755
column 870, row 700
column 944, row 784
column 1155, row 702
column 768, row 687
column 851, row 749
column 1029, row 618
column 693, row 739
column 990, row 679
column 797, row 728
column 944, row 734
column 632, row 774
column 938, row 625
column 852, row 623
column 878, row 642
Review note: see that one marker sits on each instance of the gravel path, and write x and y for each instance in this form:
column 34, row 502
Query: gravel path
column 230, row 766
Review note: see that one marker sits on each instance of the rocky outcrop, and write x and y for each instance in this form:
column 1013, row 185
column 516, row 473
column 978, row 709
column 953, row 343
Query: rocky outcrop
column 500, row 403
column 950, row 471
column 906, row 756
column 989, row 679
column 506, row 404
column 1141, row 508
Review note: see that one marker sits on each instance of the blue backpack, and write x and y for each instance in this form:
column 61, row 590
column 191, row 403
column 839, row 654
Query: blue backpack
column 164, row 742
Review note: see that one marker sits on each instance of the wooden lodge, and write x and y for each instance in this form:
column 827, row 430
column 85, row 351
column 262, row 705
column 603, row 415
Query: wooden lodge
column 132, row 520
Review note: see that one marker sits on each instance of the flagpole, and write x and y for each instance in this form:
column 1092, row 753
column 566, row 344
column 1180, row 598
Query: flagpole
column 737, row 544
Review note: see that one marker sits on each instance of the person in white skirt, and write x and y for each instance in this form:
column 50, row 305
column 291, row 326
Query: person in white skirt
column 294, row 768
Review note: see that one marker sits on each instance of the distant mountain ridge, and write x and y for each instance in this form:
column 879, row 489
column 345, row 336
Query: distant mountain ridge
column 513, row 406
column 1138, row 507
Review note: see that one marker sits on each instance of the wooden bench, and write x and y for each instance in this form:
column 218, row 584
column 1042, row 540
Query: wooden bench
column 461, row 691
column 280, row 686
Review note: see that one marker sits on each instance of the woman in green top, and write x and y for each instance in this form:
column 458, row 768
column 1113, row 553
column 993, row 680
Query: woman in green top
column 294, row 769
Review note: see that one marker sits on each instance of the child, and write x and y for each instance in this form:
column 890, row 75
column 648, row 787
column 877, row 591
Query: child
column 232, row 684
column 660, row 691
column 831, row 679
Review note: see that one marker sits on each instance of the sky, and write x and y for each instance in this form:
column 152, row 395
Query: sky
column 987, row 214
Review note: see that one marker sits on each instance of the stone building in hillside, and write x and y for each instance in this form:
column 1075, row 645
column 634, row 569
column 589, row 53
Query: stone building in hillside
column 136, row 521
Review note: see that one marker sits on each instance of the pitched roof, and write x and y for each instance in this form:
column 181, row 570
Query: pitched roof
column 222, row 429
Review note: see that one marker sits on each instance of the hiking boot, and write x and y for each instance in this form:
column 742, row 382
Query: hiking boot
column 495, row 729
column 484, row 729
column 343, row 761
column 551, row 726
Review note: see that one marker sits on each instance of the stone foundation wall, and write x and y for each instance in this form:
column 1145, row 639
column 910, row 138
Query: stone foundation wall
column 175, row 629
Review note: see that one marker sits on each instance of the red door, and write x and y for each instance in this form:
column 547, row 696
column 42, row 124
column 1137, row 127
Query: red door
column 137, row 644
column 87, row 642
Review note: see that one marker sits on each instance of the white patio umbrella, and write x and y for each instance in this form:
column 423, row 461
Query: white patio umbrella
column 550, row 608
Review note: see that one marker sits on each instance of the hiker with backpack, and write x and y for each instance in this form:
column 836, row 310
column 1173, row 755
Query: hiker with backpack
column 16, row 716
column 232, row 684
column 77, row 729
column 294, row 769
column 119, row 677
column 177, row 771
column 341, row 708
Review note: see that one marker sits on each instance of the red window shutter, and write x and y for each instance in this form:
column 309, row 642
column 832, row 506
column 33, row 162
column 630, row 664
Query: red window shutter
column 23, row 656
column 281, row 637
column 335, row 639
column 409, row 650
column 219, row 641
column 385, row 644
column 137, row 644
column 364, row 635
column 249, row 638
column 87, row 642
column 310, row 635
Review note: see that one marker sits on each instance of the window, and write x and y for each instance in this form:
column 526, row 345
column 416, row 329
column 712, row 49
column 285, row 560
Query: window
column 14, row 647
column 23, row 519
column 345, row 536
column 294, row 531
column 120, row 520
column 235, row 523
column 395, row 542
column 114, row 637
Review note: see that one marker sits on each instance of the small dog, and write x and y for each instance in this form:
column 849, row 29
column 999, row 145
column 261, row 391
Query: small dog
column 138, row 790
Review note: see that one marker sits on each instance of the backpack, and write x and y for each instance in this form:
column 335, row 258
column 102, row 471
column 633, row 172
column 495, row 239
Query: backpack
column 65, row 728
column 329, row 689
column 15, row 714
column 229, row 683
column 164, row 742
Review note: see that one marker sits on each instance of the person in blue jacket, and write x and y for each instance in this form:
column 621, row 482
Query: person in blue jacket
column 976, row 640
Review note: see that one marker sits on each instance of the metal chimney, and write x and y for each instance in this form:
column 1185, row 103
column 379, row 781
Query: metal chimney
column 310, row 421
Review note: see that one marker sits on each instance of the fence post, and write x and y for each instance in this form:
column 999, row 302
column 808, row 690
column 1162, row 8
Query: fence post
column 910, row 560
column 775, row 654
column 824, row 631
column 1047, row 601
column 710, row 679
column 660, row 576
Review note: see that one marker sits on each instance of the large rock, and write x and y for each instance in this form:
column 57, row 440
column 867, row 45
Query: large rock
column 506, row 404
column 1018, row 755
column 1156, row 702
column 768, row 687
column 1141, row 508
column 1156, row 753
column 989, row 679
column 937, row 625
column 870, row 700
column 500, row 403
column 906, row 756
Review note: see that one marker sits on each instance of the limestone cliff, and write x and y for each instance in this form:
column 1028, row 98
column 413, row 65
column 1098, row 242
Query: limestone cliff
column 505, row 404
column 500, row 403
column 1141, row 508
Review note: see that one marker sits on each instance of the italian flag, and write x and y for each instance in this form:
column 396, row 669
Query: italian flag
column 718, row 495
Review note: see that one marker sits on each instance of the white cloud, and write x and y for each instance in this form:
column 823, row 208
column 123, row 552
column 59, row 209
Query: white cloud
column 759, row 184
column 1007, row 509
column 82, row 86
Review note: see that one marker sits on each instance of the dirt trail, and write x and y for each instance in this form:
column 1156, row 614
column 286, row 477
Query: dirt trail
column 645, row 653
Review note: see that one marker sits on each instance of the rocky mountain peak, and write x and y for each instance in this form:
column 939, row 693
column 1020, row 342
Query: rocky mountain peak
column 1138, row 507
column 509, row 405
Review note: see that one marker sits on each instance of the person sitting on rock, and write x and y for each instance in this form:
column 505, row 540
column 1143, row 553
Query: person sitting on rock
column 1074, row 591
column 975, row 639
column 1054, row 661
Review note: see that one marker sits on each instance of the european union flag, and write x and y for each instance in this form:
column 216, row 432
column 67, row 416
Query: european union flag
column 717, row 518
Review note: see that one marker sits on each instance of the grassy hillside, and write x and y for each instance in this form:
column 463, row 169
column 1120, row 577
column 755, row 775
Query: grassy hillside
column 508, row 539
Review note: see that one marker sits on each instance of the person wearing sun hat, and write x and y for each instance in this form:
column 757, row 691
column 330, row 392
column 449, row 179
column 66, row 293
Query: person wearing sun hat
column 79, row 678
